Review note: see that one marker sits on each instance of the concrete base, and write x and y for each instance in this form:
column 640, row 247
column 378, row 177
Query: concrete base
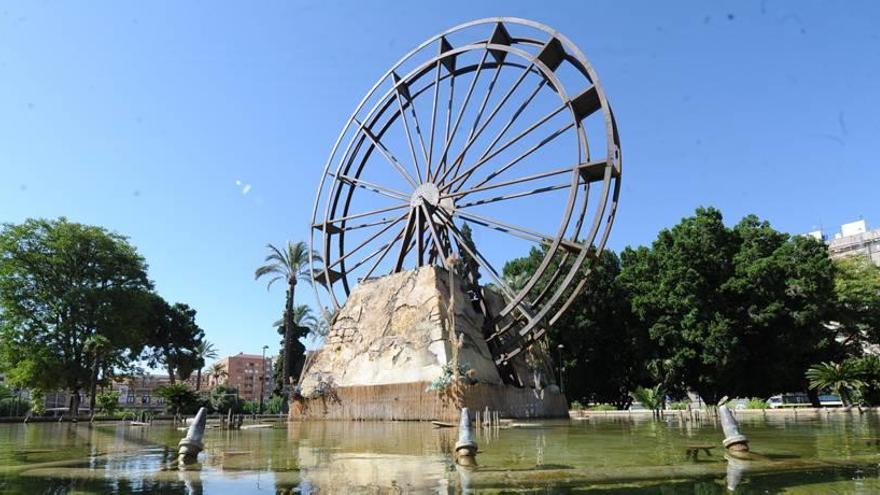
column 411, row 402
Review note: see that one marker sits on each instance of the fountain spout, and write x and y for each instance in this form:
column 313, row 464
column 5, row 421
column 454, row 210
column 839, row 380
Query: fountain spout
column 734, row 441
column 189, row 447
column 466, row 447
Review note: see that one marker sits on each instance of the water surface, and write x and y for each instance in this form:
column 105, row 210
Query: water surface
column 834, row 454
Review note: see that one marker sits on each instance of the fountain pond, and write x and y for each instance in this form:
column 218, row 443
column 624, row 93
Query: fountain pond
column 837, row 453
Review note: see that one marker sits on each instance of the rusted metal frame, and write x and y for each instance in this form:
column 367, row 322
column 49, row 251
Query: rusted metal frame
column 374, row 117
column 510, row 182
column 365, row 214
column 483, row 262
column 467, row 173
column 409, row 140
column 364, row 225
column 467, row 97
column 387, row 154
column 480, row 202
column 545, row 73
column 420, row 240
column 407, row 235
column 438, row 245
column 521, row 232
column 374, row 254
column 370, row 186
column 588, row 70
column 513, row 117
column 474, row 136
column 385, row 250
column 367, row 241
column 387, row 125
column 440, row 36
column 504, row 130
column 433, row 119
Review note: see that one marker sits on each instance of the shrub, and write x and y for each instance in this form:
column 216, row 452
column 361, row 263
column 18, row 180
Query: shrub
column 108, row 402
column 224, row 398
column 38, row 401
column 756, row 403
column 274, row 405
column 179, row 398
column 602, row 407
column 679, row 406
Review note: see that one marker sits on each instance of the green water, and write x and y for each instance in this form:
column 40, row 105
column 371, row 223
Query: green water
column 835, row 454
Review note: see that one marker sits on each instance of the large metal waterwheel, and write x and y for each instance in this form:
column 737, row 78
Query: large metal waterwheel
column 500, row 124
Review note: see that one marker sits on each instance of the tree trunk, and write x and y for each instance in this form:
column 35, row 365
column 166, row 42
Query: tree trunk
column 813, row 394
column 171, row 378
column 73, row 405
column 198, row 379
column 93, row 386
column 288, row 336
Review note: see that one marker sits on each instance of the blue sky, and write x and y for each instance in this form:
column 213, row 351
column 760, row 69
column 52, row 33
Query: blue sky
column 142, row 116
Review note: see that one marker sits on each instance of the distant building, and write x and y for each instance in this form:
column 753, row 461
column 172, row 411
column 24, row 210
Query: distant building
column 854, row 239
column 245, row 372
column 139, row 391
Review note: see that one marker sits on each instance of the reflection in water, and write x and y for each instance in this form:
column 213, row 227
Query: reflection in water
column 340, row 457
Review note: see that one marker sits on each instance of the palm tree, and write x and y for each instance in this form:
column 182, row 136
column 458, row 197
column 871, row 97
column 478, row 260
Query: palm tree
column 840, row 378
column 651, row 398
column 290, row 265
column 303, row 317
column 204, row 351
column 218, row 372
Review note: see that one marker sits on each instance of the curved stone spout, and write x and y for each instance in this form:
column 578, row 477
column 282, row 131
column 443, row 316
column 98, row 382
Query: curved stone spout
column 733, row 439
column 466, row 447
column 190, row 446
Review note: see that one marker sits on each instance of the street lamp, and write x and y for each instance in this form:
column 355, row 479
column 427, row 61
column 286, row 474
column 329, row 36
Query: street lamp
column 263, row 377
column 561, row 368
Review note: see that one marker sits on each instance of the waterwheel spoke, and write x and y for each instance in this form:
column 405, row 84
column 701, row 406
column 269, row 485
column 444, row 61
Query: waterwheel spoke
column 467, row 97
column 384, row 252
column 334, row 221
column 505, row 197
column 397, row 93
column 370, row 186
column 387, row 154
column 518, row 180
column 367, row 241
column 438, row 244
column 467, row 173
column 407, row 237
column 517, row 231
column 473, row 136
column 475, row 254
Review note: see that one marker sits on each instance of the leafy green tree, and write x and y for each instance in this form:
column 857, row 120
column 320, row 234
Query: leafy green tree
column 468, row 269
column 204, row 351
column 857, row 295
column 603, row 352
column 174, row 339
column 289, row 265
column 737, row 312
column 62, row 284
column 38, row 401
column 108, row 402
column 178, row 397
column 224, row 398
column 274, row 405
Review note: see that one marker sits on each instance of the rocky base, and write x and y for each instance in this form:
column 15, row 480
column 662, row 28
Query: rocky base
column 411, row 402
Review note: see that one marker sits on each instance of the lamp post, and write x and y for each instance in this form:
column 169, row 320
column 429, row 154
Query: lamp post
column 263, row 377
column 561, row 368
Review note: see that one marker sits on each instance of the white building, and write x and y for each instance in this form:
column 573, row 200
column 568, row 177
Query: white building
column 854, row 239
